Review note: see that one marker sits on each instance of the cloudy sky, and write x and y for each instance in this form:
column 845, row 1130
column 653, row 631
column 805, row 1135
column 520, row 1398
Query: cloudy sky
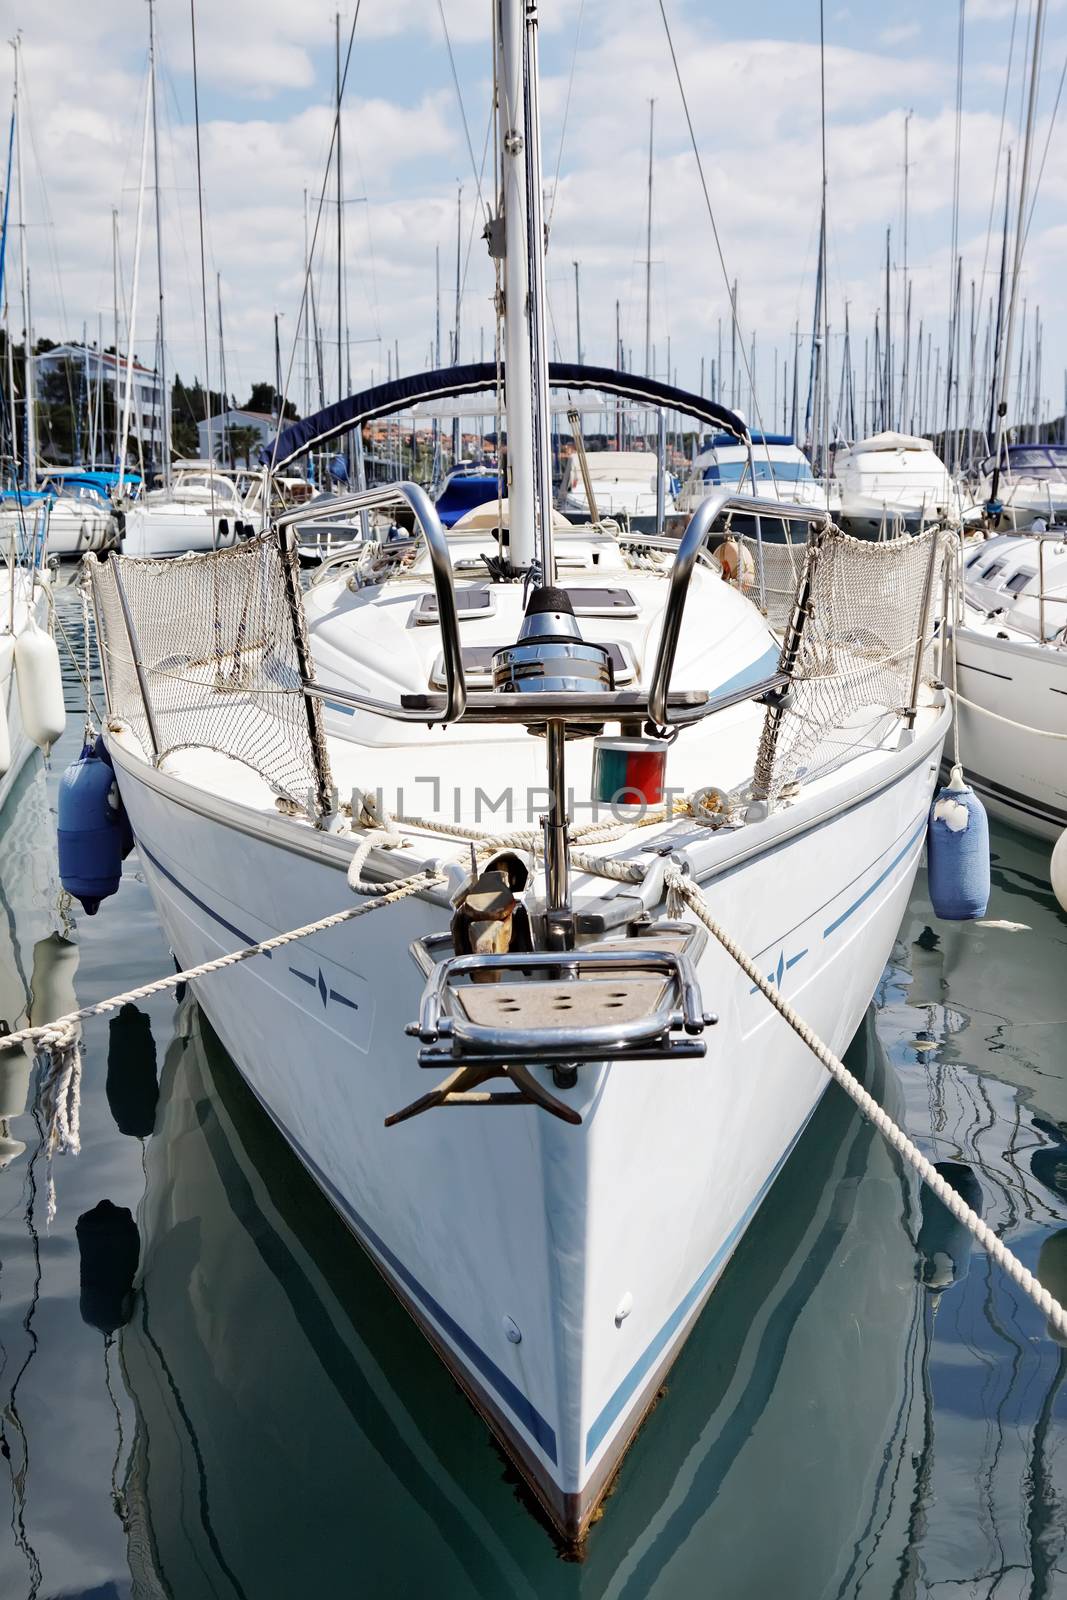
column 752, row 78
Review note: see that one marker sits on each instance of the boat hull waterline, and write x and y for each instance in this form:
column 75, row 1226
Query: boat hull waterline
column 557, row 1270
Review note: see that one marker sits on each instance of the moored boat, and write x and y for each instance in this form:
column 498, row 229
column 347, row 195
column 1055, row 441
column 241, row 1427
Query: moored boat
column 273, row 754
column 1011, row 666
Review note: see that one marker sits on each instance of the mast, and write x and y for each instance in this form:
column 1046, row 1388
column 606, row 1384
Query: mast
column 98, row 433
column 648, row 246
column 159, row 244
column 887, row 403
column 1001, row 288
column 307, row 317
column 115, row 316
column 130, row 331
column 457, row 447
column 277, row 370
column 340, row 213
column 578, row 313
column 223, row 396
column 29, row 457
column 733, row 347
column 203, row 276
column 1020, row 239
column 907, row 290
column 436, row 468
column 526, row 364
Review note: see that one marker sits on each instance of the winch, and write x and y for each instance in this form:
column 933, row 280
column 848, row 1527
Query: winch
column 550, row 656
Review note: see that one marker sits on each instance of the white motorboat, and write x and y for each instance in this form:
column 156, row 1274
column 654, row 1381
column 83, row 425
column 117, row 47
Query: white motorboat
column 893, row 483
column 556, row 1257
column 201, row 509
column 1032, row 484
column 775, row 469
column 1011, row 661
column 623, row 483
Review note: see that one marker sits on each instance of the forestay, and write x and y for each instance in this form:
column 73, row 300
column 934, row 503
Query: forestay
column 214, row 643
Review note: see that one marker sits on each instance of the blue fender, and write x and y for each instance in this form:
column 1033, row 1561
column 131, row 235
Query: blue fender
column 957, row 852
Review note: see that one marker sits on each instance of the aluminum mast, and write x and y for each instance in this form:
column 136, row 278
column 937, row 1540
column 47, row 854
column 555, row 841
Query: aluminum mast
column 159, row 249
column 30, row 453
column 526, row 361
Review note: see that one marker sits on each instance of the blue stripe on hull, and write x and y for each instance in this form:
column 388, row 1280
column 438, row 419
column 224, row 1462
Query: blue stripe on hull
column 517, row 1403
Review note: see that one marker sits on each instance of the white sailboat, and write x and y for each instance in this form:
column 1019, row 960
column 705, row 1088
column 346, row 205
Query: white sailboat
column 557, row 1256
column 1010, row 636
column 201, row 509
column 343, row 1372
column 1032, row 484
column 1011, row 669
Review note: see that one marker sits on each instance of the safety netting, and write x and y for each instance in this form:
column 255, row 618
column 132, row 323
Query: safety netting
column 861, row 619
column 204, row 651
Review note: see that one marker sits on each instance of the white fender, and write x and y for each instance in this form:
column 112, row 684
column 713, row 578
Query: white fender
column 40, row 685
column 1058, row 869
column 15, row 1066
column 52, row 991
column 7, row 660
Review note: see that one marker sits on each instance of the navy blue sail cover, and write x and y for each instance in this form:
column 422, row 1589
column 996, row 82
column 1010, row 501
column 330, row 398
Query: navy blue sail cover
column 448, row 382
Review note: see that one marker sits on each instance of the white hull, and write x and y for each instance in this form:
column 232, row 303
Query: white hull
column 873, row 516
column 175, row 532
column 21, row 744
column 73, row 532
column 1021, row 776
column 1024, row 503
column 342, row 1370
column 598, row 1244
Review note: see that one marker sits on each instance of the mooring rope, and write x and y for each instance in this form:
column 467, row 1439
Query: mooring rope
column 57, row 1035
column 1022, row 727
column 684, row 889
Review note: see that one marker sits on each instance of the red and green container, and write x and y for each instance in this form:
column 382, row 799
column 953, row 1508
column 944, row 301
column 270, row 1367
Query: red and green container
column 629, row 772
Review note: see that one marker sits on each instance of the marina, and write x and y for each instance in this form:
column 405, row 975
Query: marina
column 534, row 902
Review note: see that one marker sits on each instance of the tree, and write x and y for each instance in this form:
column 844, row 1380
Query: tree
column 187, row 413
column 264, row 399
column 241, row 441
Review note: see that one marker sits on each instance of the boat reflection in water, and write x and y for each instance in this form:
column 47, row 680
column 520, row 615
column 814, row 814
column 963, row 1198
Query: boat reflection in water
column 291, row 1426
column 38, row 958
column 973, row 1018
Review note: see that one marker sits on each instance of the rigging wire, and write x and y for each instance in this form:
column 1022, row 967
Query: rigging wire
column 462, row 109
column 203, row 270
column 563, row 129
column 1000, row 145
column 314, row 237
column 711, row 214
column 474, row 215
column 1044, row 153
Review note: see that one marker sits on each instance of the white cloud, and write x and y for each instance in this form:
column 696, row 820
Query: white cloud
column 266, row 81
column 902, row 33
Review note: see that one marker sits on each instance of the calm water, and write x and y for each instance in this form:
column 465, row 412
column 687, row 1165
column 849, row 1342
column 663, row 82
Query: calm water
column 865, row 1409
